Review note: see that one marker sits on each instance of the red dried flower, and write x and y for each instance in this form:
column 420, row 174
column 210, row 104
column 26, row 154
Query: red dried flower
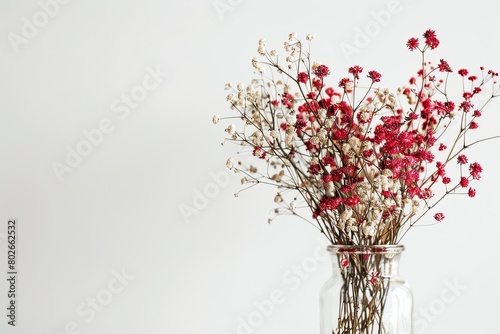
column 329, row 203
column 462, row 159
column 439, row 216
column 355, row 70
column 302, row 77
column 374, row 75
column 321, row 71
column 351, row 201
column 464, row 182
column 314, row 169
column 412, row 43
column 431, row 39
column 260, row 153
column 443, row 66
column 475, row 170
column 344, row 83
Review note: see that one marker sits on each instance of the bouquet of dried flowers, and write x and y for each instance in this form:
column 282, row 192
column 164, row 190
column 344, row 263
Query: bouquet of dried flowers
column 362, row 163
column 365, row 162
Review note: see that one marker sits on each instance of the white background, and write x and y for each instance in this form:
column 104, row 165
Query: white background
column 119, row 209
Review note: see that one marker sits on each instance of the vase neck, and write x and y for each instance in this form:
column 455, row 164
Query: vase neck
column 377, row 261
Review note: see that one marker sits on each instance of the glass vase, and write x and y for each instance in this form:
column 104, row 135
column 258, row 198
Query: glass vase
column 365, row 293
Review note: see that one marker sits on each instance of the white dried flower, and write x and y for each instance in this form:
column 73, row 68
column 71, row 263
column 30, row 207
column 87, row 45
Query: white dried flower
column 261, row 50
column 215, row 119
column 290, row 119
column 292, row 36
column 293, row 206
column 289, row 138
column 355, row 143
column 349, row 85
column 369, row 230
column 314, row 140
column 387, row 172
column 341, row 225
column 323, row 135
column 352, row 225
column 415, row 206
column 384, row 182
column 322, row 114
column 228, row 85
column 346, row 214
column 346, row 148
column 278, row 198
column 240, row 87
column 274, row 53
column 257, row 138
column 277, row 177
column 374, row 216
column 229, row 163
column 255, row 63
column 329, row 189
column 310, row 37
column 273, row 134
column 287, row 47
column 365, row 114
column 231, row 129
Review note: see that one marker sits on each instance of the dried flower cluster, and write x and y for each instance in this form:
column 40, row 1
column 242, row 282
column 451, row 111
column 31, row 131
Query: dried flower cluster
column 367, row 163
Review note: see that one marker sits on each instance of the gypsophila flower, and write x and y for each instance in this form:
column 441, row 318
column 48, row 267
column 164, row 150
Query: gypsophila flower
column 464, row 182
column 431, row 39
column 356, row 70
column 303, row 77
column 374, row 75
column 439, row 216
column 231, row 129
column 443, row 66
column 475, row 170
column 321, row 71
column 462, row 159
column 412, row 43
column 310, row 37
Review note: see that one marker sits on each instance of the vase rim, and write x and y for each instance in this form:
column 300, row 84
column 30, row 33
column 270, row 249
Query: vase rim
column 363, row 249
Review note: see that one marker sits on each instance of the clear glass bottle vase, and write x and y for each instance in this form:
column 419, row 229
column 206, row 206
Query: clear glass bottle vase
column 365, row 294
